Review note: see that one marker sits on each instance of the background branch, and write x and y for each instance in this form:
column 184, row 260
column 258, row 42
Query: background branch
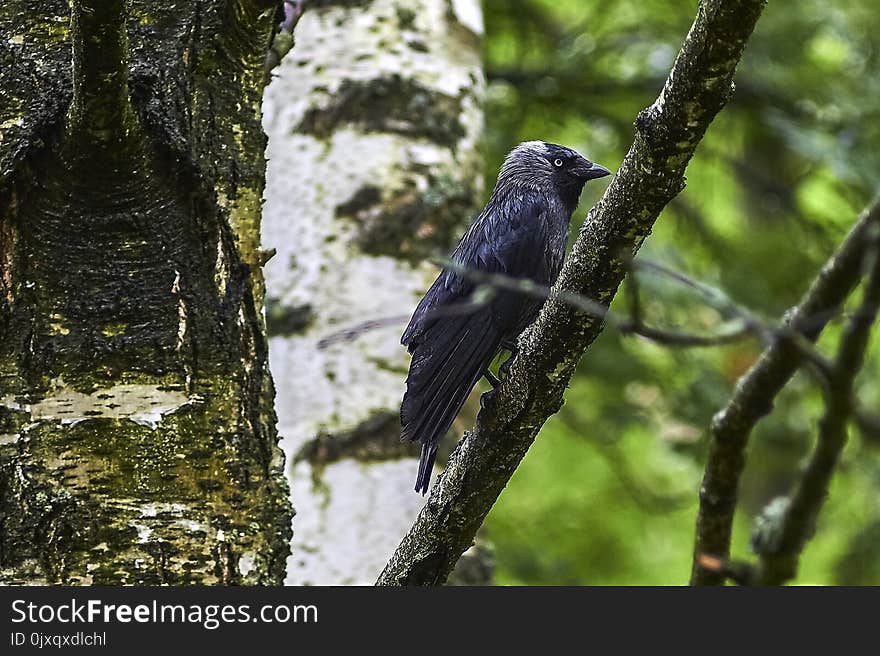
column 651, row 174
column 780, row 551
column 755, row 391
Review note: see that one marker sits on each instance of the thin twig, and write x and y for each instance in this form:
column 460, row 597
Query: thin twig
column 634, row 324
column 728, row 333
column 713, row 296
column 489, row 283
column 357, row 330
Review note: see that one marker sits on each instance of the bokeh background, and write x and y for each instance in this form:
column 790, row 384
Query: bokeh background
column 608, row 493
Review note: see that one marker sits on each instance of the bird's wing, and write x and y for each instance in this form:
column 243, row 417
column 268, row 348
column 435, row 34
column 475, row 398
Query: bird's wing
column 452, row 350
column 447, row 290
column 510, row 240
column 514, row 241
column 522, row 246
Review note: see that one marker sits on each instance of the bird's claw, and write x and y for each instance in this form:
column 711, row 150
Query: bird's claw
column 504, row 369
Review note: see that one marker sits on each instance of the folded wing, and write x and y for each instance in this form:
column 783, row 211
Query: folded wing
column 452, row 340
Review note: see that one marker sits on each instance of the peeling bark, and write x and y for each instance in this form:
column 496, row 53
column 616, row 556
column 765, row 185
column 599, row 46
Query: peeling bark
column 138, row 441
column 373, row 123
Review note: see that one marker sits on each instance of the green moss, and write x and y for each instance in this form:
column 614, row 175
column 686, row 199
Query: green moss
column 190, row 466
column 245, row 214
column 114, row 329
column 389, row 104
column 284, row 320
column 411, row 224
column 406, row 17
column 365, row 198
column 374, row 439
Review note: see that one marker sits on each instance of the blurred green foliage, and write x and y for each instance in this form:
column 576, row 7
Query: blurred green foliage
column 608, row 493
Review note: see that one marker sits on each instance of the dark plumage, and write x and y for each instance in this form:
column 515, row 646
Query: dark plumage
column 521, row 233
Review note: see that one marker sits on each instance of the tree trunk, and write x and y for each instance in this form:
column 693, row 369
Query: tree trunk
column 137, row 439
column 374, row 121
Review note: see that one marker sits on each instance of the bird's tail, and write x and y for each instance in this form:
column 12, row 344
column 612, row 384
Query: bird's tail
column 448, row 361
column 426, row 466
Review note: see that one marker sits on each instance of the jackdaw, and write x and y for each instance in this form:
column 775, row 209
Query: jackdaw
column 521, row 233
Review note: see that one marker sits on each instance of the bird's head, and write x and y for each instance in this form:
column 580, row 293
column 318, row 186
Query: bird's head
column 548, row 168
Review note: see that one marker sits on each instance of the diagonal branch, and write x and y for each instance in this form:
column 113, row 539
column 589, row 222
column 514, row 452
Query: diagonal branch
column 651, row 174
column 755, row 391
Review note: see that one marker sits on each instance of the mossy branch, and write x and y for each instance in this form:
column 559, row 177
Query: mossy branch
column 755, row 391
column 652, row 173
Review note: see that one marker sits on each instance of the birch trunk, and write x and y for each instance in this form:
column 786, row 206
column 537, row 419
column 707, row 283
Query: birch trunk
column 137, row 439
column 374, row 122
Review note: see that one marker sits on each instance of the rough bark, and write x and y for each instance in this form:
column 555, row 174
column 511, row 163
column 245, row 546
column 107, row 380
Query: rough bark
column 137, row 439
column 374, row 121
column 652, row 173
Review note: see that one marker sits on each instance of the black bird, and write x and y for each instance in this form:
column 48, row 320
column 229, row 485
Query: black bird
column 521, row 233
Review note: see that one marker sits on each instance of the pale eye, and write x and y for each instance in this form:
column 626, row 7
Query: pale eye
column 557, row 162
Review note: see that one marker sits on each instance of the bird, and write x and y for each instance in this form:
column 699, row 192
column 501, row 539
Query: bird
column 452, row 336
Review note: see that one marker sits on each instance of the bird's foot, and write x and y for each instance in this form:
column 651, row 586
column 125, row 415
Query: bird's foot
column 504, row 369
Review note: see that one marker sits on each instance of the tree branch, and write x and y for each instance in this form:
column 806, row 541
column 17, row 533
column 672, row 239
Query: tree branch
column 755, row 391
column 781, row 542
column 651, row 174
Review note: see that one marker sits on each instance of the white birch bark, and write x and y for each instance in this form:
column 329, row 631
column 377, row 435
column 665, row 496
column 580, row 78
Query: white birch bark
column 374, row 123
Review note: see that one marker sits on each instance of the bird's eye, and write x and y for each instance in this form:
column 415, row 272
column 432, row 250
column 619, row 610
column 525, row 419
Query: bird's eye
column 557, row 162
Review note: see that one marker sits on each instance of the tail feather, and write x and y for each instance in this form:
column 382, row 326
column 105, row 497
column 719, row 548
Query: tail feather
column 426, row 465
column 446, row 365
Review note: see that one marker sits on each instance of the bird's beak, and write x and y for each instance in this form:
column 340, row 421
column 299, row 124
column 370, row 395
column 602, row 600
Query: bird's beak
column 589, row 171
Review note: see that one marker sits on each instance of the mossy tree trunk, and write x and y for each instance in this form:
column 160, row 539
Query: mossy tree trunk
column 137, row 439
column 374, row 121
